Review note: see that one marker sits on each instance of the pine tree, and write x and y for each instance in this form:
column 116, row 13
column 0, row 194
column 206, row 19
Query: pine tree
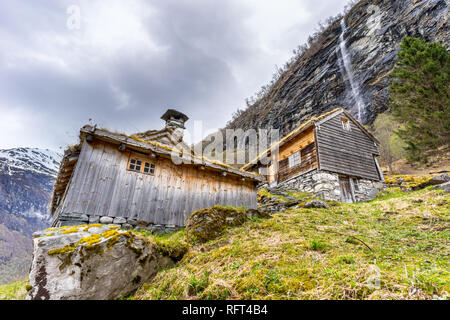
column 419, row 93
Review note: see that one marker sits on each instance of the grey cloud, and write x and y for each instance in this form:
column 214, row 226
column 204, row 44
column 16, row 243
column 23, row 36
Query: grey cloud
column 128, row 88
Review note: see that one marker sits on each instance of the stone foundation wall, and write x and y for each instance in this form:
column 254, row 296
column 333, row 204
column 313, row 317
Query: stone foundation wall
column 367, row 189
column 325, row 185
column 74, row 219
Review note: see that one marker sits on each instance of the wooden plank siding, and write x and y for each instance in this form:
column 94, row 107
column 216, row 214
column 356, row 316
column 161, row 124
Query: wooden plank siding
column 308, row 161
column 279, row 167
column 346, row 152
column 299, row 142
column 101, row 185
column 303, row 143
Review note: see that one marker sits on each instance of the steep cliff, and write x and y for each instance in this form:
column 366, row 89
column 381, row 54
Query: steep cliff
column 348, row 64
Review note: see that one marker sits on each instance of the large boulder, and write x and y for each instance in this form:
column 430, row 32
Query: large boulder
column 315, row 204
column 439, row 179
column 91, row 262
column 443, row 186
column 436, row 180
column 208, row 223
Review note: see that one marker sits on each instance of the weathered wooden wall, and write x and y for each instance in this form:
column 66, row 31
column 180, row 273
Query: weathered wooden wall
column 101, row 185
column 299, row 142
column 308, row 161
column 304, row 140
column 347, row 152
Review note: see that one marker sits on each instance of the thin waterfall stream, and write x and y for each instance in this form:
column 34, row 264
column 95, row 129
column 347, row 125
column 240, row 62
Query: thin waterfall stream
column 348, row 69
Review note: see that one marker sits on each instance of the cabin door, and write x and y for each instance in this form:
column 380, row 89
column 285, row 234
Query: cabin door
column 346, row 190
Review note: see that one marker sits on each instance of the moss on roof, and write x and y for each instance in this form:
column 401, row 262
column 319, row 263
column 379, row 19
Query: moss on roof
column 173, row 149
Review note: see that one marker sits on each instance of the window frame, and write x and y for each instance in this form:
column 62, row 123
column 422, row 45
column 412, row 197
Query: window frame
column 293, row 155
column 356, row 186
column 346, row 124
column 142, row 166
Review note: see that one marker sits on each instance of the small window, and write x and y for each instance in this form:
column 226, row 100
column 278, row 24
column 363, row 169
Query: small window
column 355, row 184
column 294, row 159
column 345, row 124
column 141, row 166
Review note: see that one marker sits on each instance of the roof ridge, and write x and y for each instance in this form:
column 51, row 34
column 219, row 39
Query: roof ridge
column 293, row 132
column 204, row 160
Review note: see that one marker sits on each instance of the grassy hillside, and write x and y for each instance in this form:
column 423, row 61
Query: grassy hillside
column 394, row 247
column 14, row 291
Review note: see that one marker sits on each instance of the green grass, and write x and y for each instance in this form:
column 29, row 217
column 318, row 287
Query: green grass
column 14, row 291
column 393, row 247
column 172, row 244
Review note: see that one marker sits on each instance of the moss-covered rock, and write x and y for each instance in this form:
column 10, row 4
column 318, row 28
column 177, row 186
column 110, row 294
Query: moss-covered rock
column 91, row 262
column 413, row 182
column 208, row 223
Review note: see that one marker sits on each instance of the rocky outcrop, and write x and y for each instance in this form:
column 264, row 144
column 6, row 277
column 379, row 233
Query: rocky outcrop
column 440, row 182
column 278, row 200
column 439, row 179
column 271, row 204
column 443, row 186
column 208, row 223
column 317, row 81
column 412, row 182
column 315, row 204
column 91, row 262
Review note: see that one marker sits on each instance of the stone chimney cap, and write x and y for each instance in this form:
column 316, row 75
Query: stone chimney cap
column 174, row 113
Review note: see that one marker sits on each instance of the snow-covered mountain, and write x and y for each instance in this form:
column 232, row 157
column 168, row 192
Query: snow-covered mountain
column 26, row 182
column 31, row 159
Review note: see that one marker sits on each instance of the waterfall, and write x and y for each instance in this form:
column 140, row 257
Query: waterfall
column 348, row 69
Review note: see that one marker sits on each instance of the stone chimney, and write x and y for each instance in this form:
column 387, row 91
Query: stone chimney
column 175, row 120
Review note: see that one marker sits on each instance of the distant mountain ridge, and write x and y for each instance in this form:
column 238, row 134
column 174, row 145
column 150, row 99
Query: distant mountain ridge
column 26, row 181
column 32, row 159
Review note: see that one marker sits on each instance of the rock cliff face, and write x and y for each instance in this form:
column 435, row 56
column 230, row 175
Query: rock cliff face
column 348, row 65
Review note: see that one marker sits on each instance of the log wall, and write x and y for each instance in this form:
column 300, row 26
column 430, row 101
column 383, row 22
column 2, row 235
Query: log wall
column 101, row 185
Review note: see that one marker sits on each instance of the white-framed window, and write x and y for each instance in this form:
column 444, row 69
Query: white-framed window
column 294, row 159
column 345, row 124
column 140, row 165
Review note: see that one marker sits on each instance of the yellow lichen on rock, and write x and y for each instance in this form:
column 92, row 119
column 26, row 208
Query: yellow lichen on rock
column 89, row 241
column 94, row 225
column 406, row 181
column 112, row 235
column 62, row 250
column 72, row 230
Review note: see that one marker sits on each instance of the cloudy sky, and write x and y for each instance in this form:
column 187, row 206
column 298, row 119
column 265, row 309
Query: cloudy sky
column 121, row 64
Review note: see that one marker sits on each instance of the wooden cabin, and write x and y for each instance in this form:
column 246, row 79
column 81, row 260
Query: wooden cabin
column 332, row 156
column 131, row 180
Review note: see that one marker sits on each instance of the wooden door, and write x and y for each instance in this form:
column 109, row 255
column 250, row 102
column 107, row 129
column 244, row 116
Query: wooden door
column 346, row 190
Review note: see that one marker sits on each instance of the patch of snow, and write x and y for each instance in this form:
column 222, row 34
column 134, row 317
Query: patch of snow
column 44, row 161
